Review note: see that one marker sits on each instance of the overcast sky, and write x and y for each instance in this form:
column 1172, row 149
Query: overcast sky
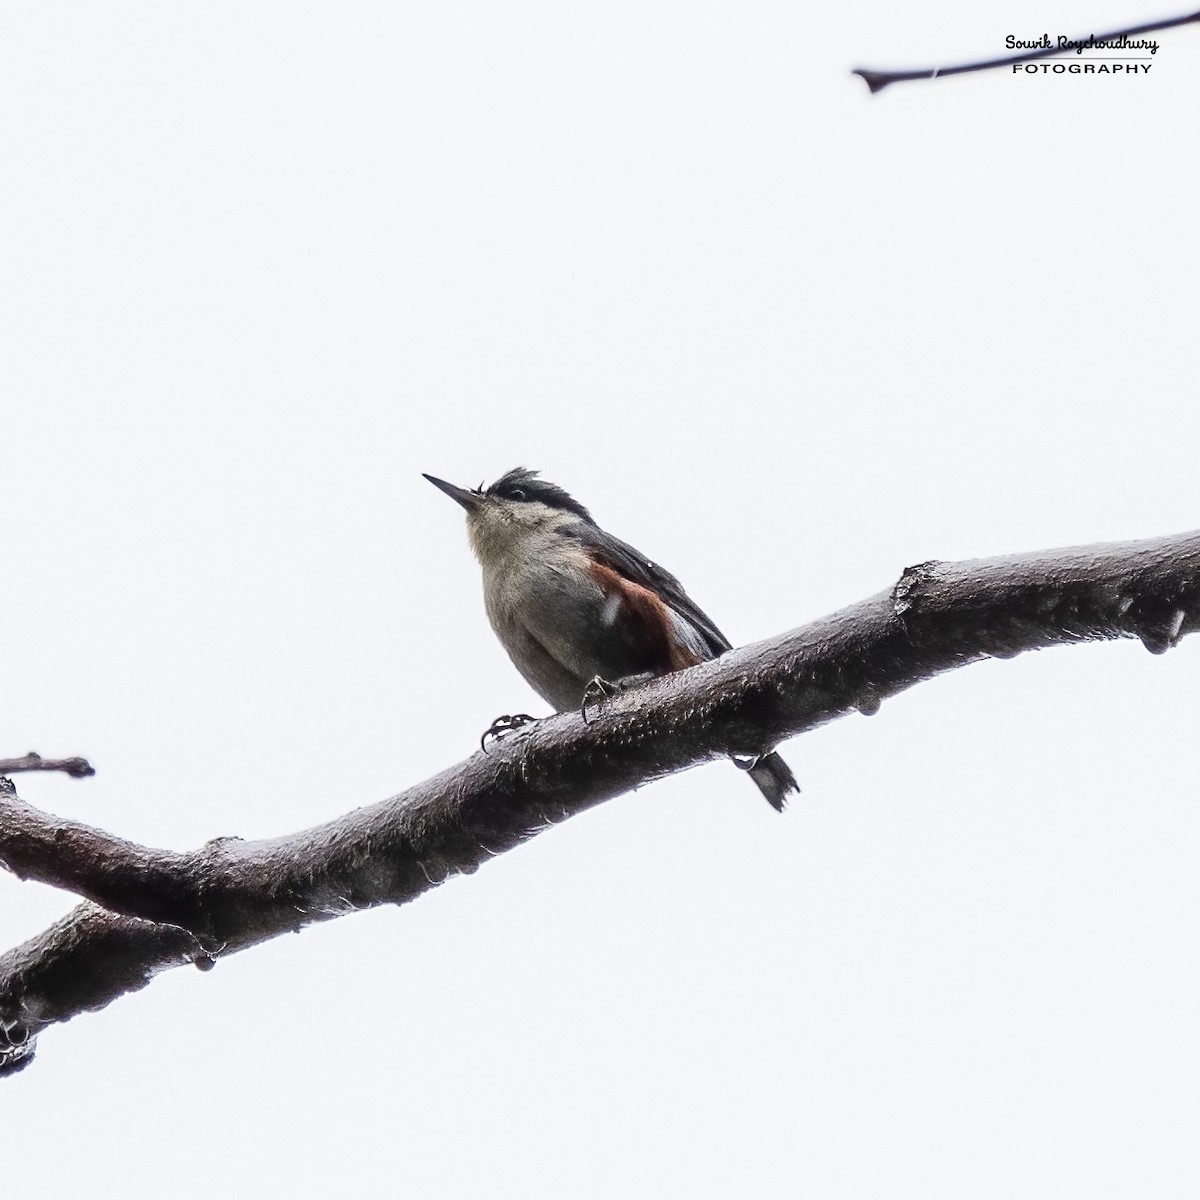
column 263, row 264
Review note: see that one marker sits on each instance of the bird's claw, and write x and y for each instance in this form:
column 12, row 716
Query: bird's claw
column 597, row 691
column 502, row 726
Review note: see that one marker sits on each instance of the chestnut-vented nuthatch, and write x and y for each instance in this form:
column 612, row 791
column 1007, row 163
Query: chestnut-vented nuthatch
column 577, row 608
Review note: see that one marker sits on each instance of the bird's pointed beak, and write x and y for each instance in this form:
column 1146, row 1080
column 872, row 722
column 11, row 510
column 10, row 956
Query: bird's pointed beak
column 468, row 499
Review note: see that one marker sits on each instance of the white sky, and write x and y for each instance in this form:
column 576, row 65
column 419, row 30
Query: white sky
column 265, row 263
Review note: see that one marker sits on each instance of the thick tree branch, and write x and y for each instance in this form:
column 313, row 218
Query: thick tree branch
column 81, row 963
column 175, row 908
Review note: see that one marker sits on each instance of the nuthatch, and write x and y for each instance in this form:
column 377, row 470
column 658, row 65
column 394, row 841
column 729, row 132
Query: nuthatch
column 578, row 609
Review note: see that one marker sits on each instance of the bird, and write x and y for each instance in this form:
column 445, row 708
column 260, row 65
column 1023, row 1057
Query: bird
column 581, row 612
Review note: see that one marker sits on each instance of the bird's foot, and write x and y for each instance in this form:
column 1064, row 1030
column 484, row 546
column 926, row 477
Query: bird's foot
column 601, row 689
column 502, row 726
column 597, row 691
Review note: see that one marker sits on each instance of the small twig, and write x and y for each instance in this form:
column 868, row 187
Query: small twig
column 77, row 768
column 878, row 80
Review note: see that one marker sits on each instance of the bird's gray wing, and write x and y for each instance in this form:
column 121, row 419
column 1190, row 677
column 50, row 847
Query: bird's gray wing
column 623, row 558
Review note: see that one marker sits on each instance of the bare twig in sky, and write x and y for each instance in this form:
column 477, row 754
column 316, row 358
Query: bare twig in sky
column 77, row 768
column 878, row 80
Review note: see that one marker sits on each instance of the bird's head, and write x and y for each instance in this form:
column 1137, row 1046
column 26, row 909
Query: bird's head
column 517, row 506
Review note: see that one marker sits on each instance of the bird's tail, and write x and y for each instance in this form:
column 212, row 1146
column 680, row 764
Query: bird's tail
column 774, row 779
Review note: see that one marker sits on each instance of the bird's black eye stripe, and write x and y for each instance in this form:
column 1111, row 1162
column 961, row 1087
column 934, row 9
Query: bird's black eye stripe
column 520, row 485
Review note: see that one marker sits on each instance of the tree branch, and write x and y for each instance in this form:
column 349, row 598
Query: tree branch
column 878, row 80
column 160, row 909
column 77, row 768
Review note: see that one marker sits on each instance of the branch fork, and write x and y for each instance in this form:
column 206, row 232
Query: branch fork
column 147, row 910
